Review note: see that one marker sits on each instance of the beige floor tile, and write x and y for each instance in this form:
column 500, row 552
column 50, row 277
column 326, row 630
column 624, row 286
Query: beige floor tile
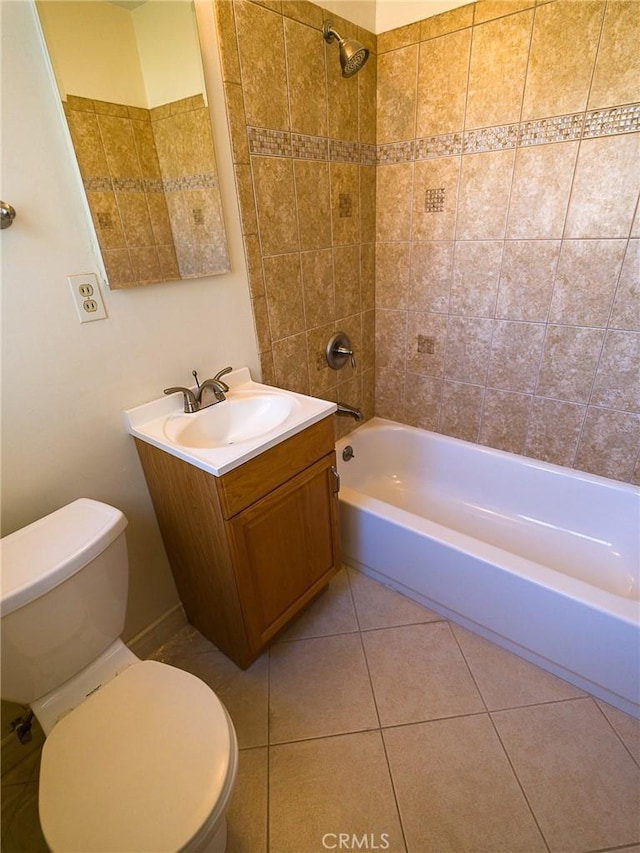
column 581, row 782
column 418, row 673
column 244, row 693
column 456, row 791
column 319, row 687
column 321, row 788
column 331, row 613
column 627, row 728
column 247, row 814
column 378, row 606
column 507, row 681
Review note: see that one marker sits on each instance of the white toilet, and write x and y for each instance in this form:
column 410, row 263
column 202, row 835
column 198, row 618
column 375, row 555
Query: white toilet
column 139, row 756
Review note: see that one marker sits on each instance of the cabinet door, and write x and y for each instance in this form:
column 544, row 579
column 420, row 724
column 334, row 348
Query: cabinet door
column 286, row 547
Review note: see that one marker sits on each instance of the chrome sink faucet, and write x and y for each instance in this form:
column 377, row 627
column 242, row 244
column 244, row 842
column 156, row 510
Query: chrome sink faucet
column 193, row 401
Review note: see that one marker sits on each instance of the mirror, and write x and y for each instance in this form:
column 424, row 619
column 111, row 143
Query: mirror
column 129, row 73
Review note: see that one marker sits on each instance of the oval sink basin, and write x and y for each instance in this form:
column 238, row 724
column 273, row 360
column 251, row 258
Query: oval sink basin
column 236, row 419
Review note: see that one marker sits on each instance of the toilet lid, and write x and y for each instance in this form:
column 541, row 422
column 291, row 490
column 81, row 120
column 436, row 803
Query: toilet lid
column 139, row 766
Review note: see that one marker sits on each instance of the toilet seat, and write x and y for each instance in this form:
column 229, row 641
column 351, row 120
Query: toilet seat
column 147, row 763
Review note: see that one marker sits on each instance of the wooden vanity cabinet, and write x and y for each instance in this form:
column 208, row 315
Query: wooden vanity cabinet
column 251, row 548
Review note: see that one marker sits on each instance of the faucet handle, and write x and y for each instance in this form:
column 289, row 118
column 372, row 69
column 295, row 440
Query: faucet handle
column 191, row 405
column 220, row 373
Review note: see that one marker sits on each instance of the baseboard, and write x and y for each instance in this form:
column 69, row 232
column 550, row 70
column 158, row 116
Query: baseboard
column 159, row 632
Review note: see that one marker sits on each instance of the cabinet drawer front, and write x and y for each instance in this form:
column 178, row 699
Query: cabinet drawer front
column 286, row 547
column 256, row 478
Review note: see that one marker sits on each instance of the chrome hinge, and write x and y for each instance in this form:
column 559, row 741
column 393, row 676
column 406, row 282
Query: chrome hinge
column 334, row 471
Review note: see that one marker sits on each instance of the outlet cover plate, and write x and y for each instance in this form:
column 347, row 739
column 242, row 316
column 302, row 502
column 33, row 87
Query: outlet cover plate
column 87, row 297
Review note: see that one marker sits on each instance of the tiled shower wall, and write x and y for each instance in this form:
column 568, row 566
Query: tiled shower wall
column 152, row 187
column 507, row 268
column 303, row 142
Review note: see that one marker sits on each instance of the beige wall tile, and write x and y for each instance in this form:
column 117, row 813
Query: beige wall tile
column 313, row 198
column 304, row 11
column 569, row 361
column 307, row 79
column 505, row 417
column 317, row 284
column 563, row 52
column 447, row 22
column 290, row 365
column 422, row 403
column 367, row 176
column 230, row 62
column 106, row 219
column 526, row 280
column 118, row 267
column 342, row 92
column 617, row 384
column 439, row 174
column 609, row 443
column 515, row 355
column 253, row 256
column 283, row 287
column 540, row 192
column 461, row 410
column 431, row 273
column 237, row 122
column 136, row 223
column 389, row 395
column 499, row 51
column 468, row 349
column 586, row 281
column 87, row 143
column 345, row 203
column 545, row 744
column 346, row 277
column 485, row 181
column 443, row 72
column 391, row 337
column 554, row 430
column 145, row 264
column 119, row 146
column 462, row 754
column 603, row 200
column 367, row 79
column 626, row 306
column 426, row 343
column 321, row 376
column 392, row 274
column 367, row 355
column 261, row 322
column 246, row 199
column 263, row 65
column 393, row 202
column 476, row 274
column 399, row 37
column 486, row 10
column 276, row 204
column 367, row 276
column 396, row 106
column 617, row 71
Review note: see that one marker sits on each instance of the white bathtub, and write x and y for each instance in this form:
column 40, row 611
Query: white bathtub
column 543, row 560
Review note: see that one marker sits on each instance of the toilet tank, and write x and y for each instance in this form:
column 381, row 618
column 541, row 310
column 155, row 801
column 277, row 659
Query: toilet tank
column 63, row 596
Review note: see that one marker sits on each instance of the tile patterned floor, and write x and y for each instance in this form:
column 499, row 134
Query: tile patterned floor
column 373, row 724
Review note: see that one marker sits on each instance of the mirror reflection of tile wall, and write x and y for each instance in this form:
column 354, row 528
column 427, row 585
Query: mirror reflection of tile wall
column 152, row 188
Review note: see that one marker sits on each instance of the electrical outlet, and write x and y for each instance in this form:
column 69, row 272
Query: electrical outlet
column 87, row 297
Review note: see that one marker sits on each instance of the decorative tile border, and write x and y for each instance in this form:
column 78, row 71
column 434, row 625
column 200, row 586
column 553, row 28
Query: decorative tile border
column 544, row 131
column 105, row 184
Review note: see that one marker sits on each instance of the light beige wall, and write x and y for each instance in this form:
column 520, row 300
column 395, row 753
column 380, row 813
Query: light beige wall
column 507, row 305
column 81, row 36
column 64, row 385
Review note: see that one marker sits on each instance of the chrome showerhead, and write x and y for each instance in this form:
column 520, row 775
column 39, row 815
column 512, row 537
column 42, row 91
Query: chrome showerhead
column 353, row 55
